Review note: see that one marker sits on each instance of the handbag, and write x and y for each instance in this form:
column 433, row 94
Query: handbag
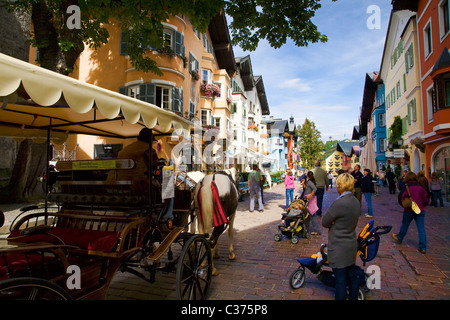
column 408, row 202
column 312, row 205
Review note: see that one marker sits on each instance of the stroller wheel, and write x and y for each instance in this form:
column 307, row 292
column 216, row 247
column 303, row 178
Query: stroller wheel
column 361, row 295
column 294, row 239
column 297, row 278
column 277, row 237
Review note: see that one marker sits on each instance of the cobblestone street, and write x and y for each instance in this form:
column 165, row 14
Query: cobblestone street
column 263, row 266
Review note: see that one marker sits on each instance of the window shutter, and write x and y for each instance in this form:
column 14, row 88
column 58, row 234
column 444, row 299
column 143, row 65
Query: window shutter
column 409, row 113
column 123, row 90
column 176, row 99
column 204, row 41
column 147, row 93
column 123, row 44
column 191, row 58
column 179, row 46
column 404, row 126
column 414, row 110
column 411, row 56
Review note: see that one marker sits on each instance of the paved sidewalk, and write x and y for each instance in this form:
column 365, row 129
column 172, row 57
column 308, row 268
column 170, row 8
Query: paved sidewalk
column 263, row 266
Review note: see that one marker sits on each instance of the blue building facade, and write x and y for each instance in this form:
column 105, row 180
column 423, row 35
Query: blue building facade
column 379, row 133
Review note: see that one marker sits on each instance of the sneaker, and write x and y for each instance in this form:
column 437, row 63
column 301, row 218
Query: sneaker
column 261, row 210
column 395, row 237
column 368, row 215
column 422, row 251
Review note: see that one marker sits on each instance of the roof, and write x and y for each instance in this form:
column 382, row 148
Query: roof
column 36, row 99
column 220, row 37
column 346, row 146
column 279, row 126
column 244, row 65
column 262, row 95
column 443, row 61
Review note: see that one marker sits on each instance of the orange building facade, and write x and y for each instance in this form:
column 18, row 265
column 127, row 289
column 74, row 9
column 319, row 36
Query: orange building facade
column 191, row 63
column 433, row 28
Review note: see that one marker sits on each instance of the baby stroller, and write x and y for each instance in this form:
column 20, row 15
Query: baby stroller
column 368, row 243
column 295, row 222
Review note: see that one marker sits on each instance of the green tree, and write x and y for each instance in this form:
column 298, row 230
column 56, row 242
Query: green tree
column 395, row 132
column 59, row 47
column 310, row 145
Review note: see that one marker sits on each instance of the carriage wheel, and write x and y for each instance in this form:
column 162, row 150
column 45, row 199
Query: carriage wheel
column 297, row 278
column 194, row 269
column 28, row 288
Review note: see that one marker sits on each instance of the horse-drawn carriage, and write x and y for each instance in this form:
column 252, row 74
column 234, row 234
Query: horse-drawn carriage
column 92, row 226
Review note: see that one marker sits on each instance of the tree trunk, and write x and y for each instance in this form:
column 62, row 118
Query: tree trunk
column 29, row 166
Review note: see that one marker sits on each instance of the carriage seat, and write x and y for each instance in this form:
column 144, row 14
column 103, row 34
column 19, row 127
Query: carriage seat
column 91, row 240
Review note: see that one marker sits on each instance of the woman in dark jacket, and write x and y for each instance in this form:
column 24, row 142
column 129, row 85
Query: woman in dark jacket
column 341, row 219
column 419, row 196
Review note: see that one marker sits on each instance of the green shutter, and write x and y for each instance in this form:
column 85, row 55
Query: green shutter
column 123, row 44
column 179, row 46
column 191, row 58
column 404, row 126
column 414, row 110
column 176, row 99
column 147, row 92
column 123, row 90
column 409, row 112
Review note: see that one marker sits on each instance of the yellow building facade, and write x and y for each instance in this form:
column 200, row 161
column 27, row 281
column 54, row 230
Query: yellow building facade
column 401, row 76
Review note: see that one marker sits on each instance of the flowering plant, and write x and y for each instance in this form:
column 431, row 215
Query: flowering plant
column 195, row 75
column 167, row 51
column 286, row 135
column 253, row 127
column 210, row 89
column 229, row 100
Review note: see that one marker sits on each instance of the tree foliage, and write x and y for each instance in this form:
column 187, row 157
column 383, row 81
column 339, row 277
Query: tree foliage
column 310, row 145
column 252, row 20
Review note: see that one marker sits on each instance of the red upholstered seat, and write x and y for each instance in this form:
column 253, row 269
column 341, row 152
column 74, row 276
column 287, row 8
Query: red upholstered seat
column 19, row 263
column 94, row 240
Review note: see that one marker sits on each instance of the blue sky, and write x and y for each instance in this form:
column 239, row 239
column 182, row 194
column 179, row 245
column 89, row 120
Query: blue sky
column 324, row 82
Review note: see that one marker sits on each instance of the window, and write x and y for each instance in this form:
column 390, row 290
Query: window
column 444, row 24
column 381, row 120
column 107, row 151
column 217, row 122
column 191, row 109
column 235, row 135
column 412, row 113
column 409, row 58
column 206, row 117
column 382, row 142
column 399, row 93
column 428, row 40
column 168, row 37
column 206, row 76
column 162, row 97
column 193, row 63
column 430, row 103
column 133, row 91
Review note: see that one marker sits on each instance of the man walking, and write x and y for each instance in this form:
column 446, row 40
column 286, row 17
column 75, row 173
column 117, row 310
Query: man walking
column 321, row 177
column 358, row 176
column 254, row 188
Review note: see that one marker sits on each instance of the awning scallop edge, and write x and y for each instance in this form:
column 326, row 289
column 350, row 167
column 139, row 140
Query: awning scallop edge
column 46, row 88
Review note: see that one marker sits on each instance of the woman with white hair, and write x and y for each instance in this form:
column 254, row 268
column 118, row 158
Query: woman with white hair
column 341, row 220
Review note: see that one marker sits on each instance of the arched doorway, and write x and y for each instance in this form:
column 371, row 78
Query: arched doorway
column 441, row 164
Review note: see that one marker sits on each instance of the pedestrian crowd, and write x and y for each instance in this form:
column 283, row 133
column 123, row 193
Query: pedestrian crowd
column 341, row 218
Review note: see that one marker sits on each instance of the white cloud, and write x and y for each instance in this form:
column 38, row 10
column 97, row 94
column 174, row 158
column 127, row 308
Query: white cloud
column 297, row 84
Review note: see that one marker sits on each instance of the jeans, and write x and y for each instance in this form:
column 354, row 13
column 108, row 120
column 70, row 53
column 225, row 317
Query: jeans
column 289, row 195
column 346, row 276
column 409, row 216
column 256, row 191
column 368, row 197
column 319, row 194
column 437, row 194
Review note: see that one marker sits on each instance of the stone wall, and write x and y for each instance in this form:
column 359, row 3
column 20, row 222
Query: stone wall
column 14, row 31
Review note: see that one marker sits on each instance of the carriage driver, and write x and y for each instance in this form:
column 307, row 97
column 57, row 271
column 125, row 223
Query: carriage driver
column 139, row 152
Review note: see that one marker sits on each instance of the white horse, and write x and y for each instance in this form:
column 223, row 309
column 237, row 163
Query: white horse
column 228, row 197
